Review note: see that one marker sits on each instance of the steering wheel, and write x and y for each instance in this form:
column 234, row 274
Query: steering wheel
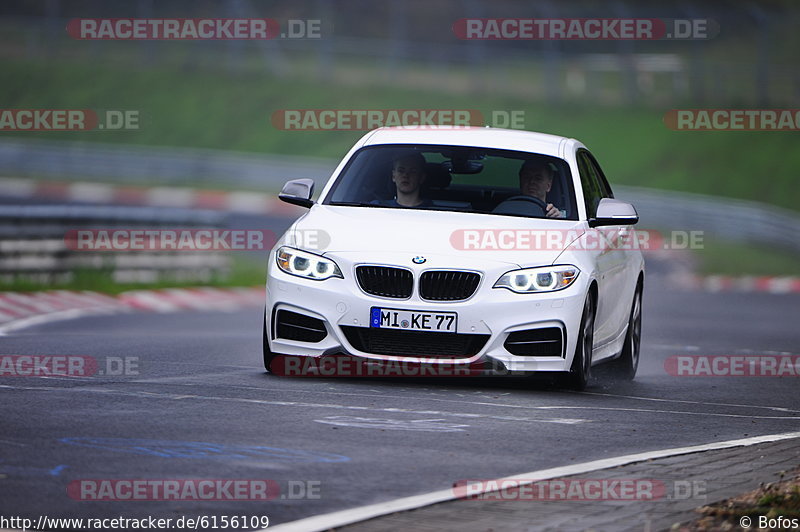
column 530, row 199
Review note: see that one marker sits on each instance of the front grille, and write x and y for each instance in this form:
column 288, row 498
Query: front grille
column 419, row 344
column 385, row 281
column 446, row 285
column 293, row 326
column 545, row 342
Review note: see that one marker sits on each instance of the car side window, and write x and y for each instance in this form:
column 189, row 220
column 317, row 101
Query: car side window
column 592, row 191
column 600, row 176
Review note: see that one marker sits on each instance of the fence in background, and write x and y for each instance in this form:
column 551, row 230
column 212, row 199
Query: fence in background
column 411, row 43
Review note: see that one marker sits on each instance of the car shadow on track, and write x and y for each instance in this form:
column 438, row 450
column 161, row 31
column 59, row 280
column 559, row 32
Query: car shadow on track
column 602, row 381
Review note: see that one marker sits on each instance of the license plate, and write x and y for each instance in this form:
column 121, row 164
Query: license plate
column 413, row 320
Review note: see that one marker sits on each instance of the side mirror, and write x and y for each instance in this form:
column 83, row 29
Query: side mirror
column 298, row 192
column 614, row 212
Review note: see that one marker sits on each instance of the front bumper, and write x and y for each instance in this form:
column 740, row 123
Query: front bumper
column 495, row 312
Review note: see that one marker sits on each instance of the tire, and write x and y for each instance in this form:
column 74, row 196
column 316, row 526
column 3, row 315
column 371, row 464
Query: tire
column 624, row 368
column 581, row 370
column 268, row 355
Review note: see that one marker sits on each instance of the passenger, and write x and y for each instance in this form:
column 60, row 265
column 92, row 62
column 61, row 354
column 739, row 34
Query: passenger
column 408, row 175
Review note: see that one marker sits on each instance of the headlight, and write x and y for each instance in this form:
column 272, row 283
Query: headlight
column 545, row 279
column 305, row 264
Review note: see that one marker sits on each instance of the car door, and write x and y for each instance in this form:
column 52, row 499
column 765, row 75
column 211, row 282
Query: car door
column 616, row 261
column 609, row 259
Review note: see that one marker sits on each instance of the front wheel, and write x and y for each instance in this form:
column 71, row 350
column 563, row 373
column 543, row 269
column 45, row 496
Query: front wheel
column 581, row 370
column 268, row 354
column 626, row 365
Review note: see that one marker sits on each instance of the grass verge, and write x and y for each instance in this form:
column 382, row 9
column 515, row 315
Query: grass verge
column 729, row 258
column 773, row 501
column 245, row 272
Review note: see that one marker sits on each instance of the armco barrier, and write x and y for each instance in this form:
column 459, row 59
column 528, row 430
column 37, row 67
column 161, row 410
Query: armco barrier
column 66, row 160
column 33, row 245
column 730, row 219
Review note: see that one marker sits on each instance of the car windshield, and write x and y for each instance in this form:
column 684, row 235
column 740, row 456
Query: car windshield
column 456, row 178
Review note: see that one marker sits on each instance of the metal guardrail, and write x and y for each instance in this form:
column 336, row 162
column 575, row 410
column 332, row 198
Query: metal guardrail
column 155, row 165
column 730, row 219
column 33, row 244
column 725, row 218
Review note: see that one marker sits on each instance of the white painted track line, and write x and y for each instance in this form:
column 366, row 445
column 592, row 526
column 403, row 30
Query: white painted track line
column 362, row 513
column 42, row 319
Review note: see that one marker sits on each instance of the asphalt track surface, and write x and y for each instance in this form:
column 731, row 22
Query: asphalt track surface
column 200, row 406
column 201, row 380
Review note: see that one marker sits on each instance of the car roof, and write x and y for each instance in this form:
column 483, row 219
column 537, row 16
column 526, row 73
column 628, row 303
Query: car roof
column 483, row 137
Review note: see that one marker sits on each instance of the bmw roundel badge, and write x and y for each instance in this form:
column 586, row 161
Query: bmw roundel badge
column 418, row 260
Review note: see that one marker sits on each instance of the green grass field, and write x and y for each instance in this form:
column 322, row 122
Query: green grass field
column 245, row 271
column 728, row 258
column 203, row 109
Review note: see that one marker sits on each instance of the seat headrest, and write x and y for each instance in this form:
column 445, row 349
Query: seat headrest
column 437, row 176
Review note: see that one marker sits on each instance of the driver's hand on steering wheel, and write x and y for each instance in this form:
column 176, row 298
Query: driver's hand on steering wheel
column 552, row 211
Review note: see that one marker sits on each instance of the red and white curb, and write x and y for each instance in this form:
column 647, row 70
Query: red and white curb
column 19, row 310
column 746, row 283
column 247, row 202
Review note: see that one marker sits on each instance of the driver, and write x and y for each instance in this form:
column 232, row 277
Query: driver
column 536, row 179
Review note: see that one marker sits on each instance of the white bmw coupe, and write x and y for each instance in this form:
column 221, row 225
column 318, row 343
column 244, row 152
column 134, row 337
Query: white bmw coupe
column 500, row 249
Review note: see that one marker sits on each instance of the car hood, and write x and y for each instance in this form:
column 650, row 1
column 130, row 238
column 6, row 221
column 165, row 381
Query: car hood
column 374, row 232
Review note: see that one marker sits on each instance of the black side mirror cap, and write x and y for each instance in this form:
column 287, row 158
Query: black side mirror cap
column 298, row 192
